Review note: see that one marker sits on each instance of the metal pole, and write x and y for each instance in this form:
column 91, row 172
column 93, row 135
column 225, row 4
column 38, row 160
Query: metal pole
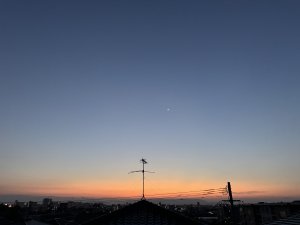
column 143, row 182
column 232, row 213
column 230, row 194
column 142, row 171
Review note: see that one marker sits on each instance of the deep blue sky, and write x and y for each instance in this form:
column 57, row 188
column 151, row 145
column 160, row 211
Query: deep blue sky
column 208, row 91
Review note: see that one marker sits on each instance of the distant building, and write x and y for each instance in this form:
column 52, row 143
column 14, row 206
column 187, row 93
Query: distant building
column 47, row 202
column 20, row 204
column 33, row 206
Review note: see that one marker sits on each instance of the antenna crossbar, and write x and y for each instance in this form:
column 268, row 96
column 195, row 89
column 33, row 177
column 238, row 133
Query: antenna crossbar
column 143, row 171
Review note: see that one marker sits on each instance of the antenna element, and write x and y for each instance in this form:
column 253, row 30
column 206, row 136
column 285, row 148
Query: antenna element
column 143, row 161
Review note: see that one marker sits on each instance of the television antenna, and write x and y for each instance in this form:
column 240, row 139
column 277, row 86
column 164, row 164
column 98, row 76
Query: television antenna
column 143, row 171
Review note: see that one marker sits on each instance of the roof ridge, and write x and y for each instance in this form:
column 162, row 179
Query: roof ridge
column 142, row 206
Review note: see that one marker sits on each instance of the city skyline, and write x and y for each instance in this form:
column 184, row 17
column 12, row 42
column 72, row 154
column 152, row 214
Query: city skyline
column 207, row 91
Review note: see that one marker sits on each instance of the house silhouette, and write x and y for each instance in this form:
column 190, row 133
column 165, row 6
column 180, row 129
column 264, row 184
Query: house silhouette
column 142, row 213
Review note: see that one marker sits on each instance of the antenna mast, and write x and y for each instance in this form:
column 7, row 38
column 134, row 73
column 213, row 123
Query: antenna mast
column 143, row 161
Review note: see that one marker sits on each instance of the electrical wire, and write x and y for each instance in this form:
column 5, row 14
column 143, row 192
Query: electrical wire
column 213, row 192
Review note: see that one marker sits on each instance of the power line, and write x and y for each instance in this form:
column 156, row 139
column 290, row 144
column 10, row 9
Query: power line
column 172, row 194
column 199, row 192
column 212, row 192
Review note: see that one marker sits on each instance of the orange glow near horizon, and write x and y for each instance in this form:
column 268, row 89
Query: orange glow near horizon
column 114, row 189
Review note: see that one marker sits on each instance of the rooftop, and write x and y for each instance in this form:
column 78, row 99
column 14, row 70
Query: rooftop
column 142, row 212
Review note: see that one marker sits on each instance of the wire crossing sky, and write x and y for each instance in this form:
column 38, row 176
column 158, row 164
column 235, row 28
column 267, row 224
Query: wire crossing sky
column 207, row 91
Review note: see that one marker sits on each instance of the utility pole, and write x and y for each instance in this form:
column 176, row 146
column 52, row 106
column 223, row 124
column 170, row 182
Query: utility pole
column 233, row 212
column 230, row 194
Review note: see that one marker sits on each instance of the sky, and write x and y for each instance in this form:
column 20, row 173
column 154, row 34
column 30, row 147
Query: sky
column 206, row 91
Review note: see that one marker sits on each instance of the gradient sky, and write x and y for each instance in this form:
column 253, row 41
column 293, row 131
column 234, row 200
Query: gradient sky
column 207, row 91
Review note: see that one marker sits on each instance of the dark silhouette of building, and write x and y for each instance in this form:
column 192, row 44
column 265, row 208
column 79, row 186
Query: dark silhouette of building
column 268, row 213
column 47, row 202
column 142, row 213
column 292, row 220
